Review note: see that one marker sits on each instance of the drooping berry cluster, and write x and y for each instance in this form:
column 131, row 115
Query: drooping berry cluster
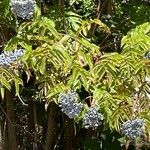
column 69, row 104
column 92, row 119
column 133, row 128
column 23, row 8
column 7, row 58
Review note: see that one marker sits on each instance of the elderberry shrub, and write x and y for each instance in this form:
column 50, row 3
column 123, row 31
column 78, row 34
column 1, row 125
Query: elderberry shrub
column 23, row 8
column 7, row 58
column 69, row 104
column 92, row 119
column 133, row 128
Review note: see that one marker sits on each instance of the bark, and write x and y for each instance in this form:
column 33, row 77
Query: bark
column 2, row 147
column 69, row 133
column 11, row 129
column 36, row 128
column 4, row 135
column 1, row 138
column 51, row 127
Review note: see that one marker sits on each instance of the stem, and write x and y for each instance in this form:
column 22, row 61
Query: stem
column 127, row 144
column 98, row 13
column 102, row 7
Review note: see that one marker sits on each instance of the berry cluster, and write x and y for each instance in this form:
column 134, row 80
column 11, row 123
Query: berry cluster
column 92, row 118
column 147, row 55
column 133, row 128
column 7, row 58
column 69, row 104
column 146, row 0
column 125, row 1
column 23, row 8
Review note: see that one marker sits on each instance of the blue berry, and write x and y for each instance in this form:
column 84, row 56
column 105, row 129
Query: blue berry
column 23, row 8
column 147, row 55
column 133, row 128
column 7, row 58
column 146, row 0
column 126, row 1
column 69, row 104
column 92, row 119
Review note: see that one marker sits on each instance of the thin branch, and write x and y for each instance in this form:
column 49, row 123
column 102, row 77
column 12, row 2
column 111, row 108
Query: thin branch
column 98, row 13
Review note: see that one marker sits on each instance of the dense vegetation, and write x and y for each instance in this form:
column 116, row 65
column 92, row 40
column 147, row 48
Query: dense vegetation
column 74, row 75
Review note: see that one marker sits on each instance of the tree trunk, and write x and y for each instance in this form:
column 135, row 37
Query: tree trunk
column 11, row 129
column 51, row 127
column 3, row 142
column 36, row 128
column 69, row 133
column 4, row 135
column 1, row 138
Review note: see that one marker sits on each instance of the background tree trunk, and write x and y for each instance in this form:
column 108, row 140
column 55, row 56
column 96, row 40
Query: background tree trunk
column 69, row 133
column 51, row 127
column 11, row 129
column 1, row 138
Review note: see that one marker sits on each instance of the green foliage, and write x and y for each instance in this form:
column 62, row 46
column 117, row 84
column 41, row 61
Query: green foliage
column 112, row 80
column 8, row 78
column 60, row 52
column 136, row 42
